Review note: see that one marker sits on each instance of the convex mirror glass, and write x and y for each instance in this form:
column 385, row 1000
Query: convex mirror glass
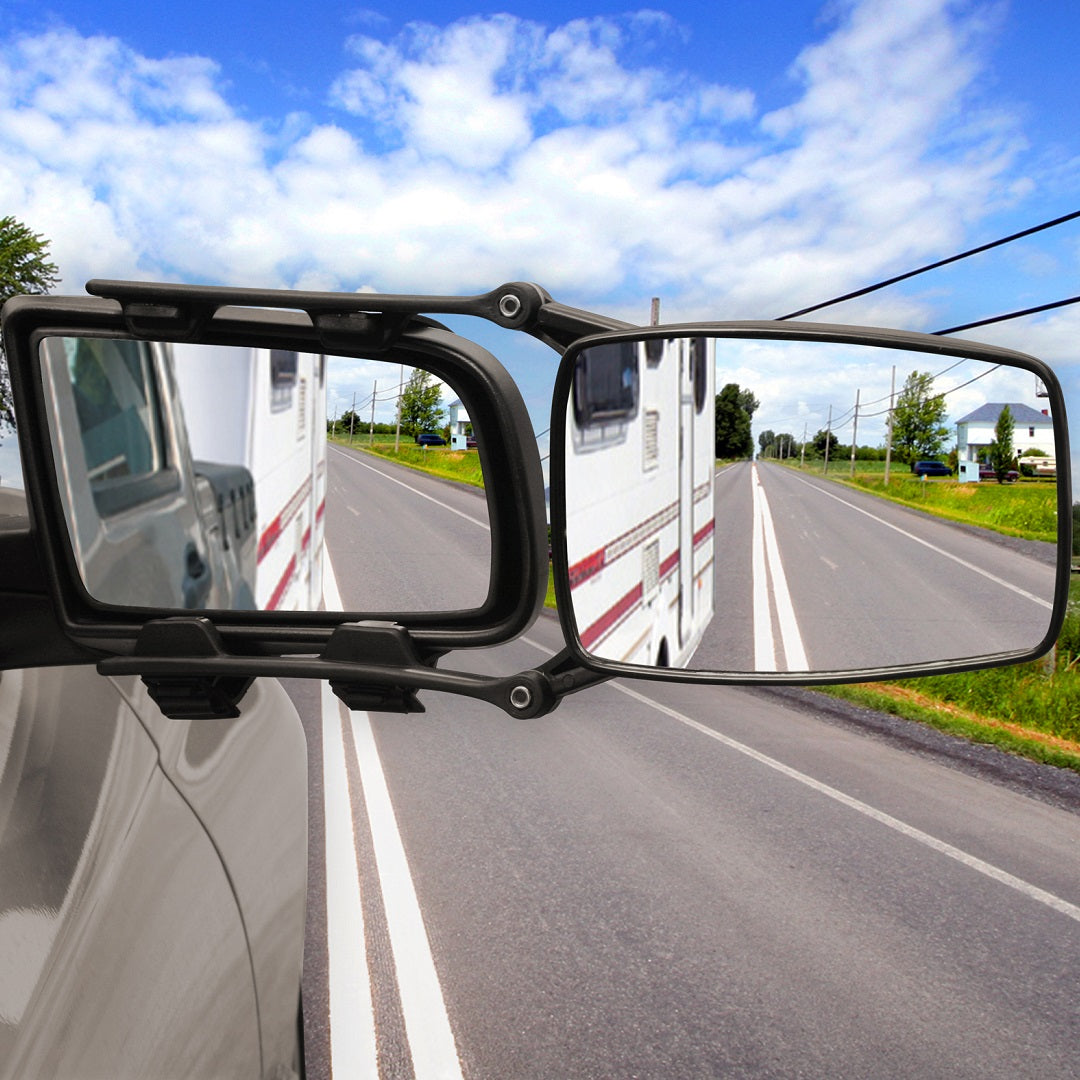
column 220, row 477
column 747, row 506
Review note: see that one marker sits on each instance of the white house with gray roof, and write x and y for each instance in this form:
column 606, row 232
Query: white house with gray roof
column 1033, row 430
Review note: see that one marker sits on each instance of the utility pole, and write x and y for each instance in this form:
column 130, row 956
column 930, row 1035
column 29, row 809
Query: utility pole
column 400, row 387
column 352, row 418
column 888, row 440
column 855, row 431
column 371, row 425
column 654, row 313
column 802, row 453
column 828, row 436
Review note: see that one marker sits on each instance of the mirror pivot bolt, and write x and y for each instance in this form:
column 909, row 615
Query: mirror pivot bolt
column 510, row 305
column 521, row 696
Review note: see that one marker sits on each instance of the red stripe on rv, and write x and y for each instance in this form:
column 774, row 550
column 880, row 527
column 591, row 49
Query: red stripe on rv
column 586, row 568
column 606, row 621
column 272, row 533
column 704, row 533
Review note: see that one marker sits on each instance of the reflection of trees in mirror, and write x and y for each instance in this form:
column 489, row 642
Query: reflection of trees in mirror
column 421, row 404
column 735, row 409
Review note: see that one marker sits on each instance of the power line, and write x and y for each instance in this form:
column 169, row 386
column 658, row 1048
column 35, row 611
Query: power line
column 945, row 262
column 1011, row 315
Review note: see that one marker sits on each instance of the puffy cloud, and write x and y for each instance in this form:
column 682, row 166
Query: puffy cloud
column 499, row 148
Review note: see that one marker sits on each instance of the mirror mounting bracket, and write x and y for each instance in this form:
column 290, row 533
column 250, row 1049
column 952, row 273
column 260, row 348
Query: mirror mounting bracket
column 373, row 666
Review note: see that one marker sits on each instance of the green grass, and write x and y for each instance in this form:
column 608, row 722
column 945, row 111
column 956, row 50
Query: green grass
column 460, row 465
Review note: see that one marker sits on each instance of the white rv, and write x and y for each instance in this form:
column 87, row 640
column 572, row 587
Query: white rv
column 640, row 521
column 265, row 409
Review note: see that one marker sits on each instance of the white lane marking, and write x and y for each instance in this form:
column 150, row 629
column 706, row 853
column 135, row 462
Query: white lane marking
column 427, row 1025
column 764, row 646
column 1041, row 601
column 409, row 487
column 1033, row 892
column 766, row 547
column 352, row 1017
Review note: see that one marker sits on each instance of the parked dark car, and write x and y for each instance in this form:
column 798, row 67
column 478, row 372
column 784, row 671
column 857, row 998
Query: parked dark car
column 987, row 472
column 429, row 438
column 931, row 468
column 470, row 442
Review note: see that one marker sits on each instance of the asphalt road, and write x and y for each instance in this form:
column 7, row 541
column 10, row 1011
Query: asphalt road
column 869, row 582
column 678, row 882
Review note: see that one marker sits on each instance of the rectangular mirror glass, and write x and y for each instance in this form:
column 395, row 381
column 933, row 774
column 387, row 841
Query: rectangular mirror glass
column 756, row 506
column 219, row 477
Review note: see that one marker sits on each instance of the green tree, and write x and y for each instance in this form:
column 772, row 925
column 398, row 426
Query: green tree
column 421, row 403
column 1001, row 449
column 24, row 268
column 765, row 440
column 734, row 412
column 919, row 429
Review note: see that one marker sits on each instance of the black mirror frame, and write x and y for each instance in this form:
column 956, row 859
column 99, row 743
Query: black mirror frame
column 796, row 331
column 510, row 462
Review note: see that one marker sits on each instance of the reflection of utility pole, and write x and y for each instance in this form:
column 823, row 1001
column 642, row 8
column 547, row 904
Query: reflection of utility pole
column 888, row 440
column 855, row 431
column 400, row 387
column 371, row 425
column 352, row 418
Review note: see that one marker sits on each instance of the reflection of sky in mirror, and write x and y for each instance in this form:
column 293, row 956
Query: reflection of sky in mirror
column 800, row 384
column 353, row 383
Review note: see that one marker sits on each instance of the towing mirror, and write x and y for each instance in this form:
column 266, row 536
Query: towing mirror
column 776, row 502
column 187, row 452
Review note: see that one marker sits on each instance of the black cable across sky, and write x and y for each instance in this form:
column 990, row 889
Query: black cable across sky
column 945, row 262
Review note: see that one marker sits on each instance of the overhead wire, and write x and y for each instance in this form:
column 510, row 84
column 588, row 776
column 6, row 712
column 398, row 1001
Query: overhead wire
column 946, row 262
column 1038, row 309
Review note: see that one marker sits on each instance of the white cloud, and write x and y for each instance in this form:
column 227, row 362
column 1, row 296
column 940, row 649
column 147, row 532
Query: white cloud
column 499, row 148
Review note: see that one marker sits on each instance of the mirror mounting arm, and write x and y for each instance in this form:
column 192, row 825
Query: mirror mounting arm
column 374, row 666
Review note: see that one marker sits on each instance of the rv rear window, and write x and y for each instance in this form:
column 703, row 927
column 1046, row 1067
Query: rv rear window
column 606, row 383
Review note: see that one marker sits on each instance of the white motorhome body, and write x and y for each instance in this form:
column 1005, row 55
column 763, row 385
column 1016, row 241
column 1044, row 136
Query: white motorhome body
column 640, row 520
column 266, row 409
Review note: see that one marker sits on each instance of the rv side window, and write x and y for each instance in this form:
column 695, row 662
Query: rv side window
column 606, row 383
column 699, row 359
column 284, row 366
column 116, row 400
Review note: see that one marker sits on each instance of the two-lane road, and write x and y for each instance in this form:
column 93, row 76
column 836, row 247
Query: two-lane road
column 865, row 582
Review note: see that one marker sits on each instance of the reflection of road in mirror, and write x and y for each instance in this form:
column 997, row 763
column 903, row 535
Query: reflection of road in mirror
column 812, row 575
column 405, row 540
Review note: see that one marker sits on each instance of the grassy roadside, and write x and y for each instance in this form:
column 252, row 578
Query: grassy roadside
column 460, row 465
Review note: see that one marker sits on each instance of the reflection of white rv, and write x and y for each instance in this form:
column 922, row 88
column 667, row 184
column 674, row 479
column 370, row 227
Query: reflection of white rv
column 639, row 500
column 266, row 409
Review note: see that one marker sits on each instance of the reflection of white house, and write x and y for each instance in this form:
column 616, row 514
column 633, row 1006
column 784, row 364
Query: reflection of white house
column 460, row 425
column 1033, row 430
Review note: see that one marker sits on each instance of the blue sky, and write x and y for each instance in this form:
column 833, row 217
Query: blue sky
column 740, row 160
